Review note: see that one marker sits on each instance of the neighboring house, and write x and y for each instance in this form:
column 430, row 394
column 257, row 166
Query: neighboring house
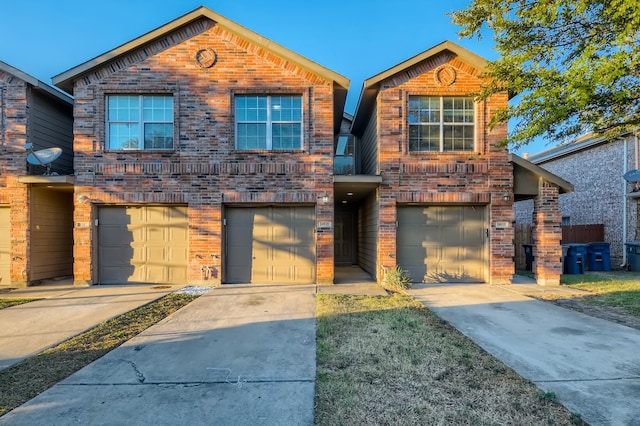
column 36, row 210
column 443, row 205
column 602, row 196
column 204, row 153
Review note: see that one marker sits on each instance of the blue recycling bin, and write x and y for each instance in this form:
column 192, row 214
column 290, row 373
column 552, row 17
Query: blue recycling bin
column 633, row 255
column 599, row 257
column 574, row 261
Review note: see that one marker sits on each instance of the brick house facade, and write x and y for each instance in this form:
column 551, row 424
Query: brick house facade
column 35, row 210
column 203, row 62
column 206, row 154
column 596, row 167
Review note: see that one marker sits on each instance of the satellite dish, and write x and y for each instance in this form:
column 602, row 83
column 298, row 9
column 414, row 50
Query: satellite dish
column 632, row 176
column 44, row 157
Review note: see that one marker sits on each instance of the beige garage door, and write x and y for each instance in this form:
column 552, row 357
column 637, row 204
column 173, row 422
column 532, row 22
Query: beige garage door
column 5, row 246
column 142, row 244
column 442, row 243
column 271, row 245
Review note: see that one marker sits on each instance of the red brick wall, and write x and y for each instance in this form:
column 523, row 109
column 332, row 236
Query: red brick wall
column 14, row 107
column 547, row 233
column 480, row 178
column 204, row 171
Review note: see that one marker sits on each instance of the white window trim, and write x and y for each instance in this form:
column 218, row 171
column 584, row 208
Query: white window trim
column 269, row 125
column 441, row 124
column 140, row 122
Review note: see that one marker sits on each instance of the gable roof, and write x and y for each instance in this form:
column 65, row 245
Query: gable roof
column 65, row 80
column 371, row 86
column 37, row 84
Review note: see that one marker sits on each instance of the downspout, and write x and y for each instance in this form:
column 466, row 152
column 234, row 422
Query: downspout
column 624, row 200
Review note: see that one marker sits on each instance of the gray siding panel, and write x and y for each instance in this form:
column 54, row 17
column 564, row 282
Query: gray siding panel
column 369, row 143
column 51, row 248
column 368, row 235
column 51, row 125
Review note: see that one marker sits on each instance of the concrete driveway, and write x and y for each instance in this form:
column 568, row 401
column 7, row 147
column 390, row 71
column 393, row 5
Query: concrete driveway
column 64, row 311
column 238, row 355
column 592, row 365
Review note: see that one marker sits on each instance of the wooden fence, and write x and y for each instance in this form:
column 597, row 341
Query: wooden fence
column 570, row 234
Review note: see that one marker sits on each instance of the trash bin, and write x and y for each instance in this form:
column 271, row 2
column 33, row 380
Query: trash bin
column 574, row 261
column 528, row 256
column 598, row 257
column 633, row 255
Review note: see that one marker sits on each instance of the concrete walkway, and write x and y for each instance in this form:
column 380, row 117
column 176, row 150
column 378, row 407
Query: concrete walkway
column 238, row 355
column 64, row 312
column 592, row 365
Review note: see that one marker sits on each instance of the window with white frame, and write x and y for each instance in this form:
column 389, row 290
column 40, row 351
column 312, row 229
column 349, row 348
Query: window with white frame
column 441, row 123
column 139, row 122
column 268, row 122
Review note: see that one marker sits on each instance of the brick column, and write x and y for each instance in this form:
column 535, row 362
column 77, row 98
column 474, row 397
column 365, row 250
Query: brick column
column 83, row 237
column 547, row 234
column 387, row 233
column 205, row 243
column 18, row 195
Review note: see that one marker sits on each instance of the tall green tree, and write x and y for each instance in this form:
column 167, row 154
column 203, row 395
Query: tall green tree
column 574, row 64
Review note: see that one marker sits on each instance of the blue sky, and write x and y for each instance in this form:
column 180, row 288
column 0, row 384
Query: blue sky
column 357, row 39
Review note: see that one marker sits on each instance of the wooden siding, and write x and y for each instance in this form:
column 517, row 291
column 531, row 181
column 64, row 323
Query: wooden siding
column 368, row 235
column 51, row 249
column 51, row 125
column 369, row 146
column 579, row 234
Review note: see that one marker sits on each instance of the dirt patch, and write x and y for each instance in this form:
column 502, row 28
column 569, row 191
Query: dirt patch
column 603, row 312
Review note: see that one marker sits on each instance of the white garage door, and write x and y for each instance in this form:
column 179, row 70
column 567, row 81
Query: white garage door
column 272, row 245
column 145, row 244
column 442, row 243
column 5, row 246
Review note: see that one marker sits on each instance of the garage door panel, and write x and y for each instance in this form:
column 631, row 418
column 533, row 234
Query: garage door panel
column 5, row 246
column 275, row 244
column 442, row 243
column 143, row 244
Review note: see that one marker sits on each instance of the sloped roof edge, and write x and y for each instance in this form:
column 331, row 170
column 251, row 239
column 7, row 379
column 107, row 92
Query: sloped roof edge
column 65, row 80
column 578, row 144
column 35, row 82
column 563, row 185
column 370, row 86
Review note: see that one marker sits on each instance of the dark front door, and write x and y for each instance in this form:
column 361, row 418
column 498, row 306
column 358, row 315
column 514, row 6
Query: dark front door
column 344, row 238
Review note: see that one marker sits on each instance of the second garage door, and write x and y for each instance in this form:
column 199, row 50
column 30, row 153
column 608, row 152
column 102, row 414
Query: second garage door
column 442, row 243
column 5, row 246
column 271, row 245
column 147, row 244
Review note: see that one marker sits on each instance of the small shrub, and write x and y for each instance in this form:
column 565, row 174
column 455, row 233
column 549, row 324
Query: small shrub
column 397, row 280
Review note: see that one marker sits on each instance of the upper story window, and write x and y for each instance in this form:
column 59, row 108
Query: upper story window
column 269, row 122
column 441, row 123
column 139, row 122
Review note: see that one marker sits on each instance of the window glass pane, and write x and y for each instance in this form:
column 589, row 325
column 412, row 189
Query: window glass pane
column 123, row 136
column 157, row 108
column 286, row 136
column 251, row 108
column 458, row 138
column 424, row 138
column 158, row 136
column 123, row 108
column 286, row 108
column 252, row 136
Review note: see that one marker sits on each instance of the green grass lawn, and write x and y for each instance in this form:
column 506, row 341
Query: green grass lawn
column 387, row 360
column 617, row 289
column 7, row 303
